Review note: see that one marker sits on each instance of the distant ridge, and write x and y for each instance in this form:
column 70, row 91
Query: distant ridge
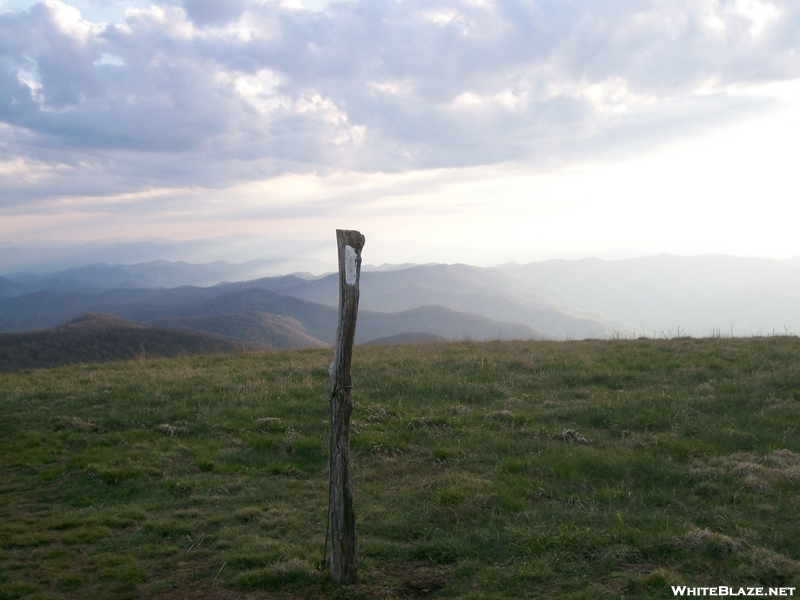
column 253, row 328
column 230, row 307
column 98, row 277
column 490, row 293
column 9, row 289
column 439, row 321
column 95, row 338
column 407, row 338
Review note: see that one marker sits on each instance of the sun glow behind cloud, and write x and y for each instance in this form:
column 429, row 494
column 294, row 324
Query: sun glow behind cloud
column 731, row 190
column 669, row 130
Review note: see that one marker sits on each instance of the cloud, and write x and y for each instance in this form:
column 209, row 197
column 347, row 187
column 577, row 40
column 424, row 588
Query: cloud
column 213, row 12
column 214, row 94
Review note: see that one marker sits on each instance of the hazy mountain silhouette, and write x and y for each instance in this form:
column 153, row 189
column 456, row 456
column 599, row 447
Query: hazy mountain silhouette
column 275, row 256
column 254, row 328
column 9, row 289
column 190, row 307
column 150, row 275
column 663, row 294
column 407, row 338
column 492, row 293
column 698, row 294
column 560, row 299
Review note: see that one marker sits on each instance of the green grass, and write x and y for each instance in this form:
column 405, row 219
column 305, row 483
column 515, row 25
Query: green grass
column 595, row 469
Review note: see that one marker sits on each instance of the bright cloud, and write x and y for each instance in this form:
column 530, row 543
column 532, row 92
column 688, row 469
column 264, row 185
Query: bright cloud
column 460, row 109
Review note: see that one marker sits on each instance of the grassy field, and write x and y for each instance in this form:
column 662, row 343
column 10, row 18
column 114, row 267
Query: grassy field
column 587, row 469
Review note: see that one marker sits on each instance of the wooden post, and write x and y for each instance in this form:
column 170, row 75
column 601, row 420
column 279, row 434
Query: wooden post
column 344, row 548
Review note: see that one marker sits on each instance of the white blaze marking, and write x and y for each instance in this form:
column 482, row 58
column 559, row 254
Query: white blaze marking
column 349, row 265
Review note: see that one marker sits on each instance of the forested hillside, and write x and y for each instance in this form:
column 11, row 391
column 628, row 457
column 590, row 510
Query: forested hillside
column 97, row 338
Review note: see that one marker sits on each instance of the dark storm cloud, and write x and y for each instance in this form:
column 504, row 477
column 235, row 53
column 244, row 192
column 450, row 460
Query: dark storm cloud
column 212, row 93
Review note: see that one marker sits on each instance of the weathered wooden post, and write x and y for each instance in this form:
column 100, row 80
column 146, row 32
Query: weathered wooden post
column 344, row 548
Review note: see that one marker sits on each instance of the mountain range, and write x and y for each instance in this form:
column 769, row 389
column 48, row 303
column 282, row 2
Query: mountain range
column 247, row 314
column 661, row 295
column 671, row 295
column 155, row 274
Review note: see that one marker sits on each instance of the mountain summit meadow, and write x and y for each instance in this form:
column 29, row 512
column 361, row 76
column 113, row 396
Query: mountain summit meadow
column 582, row 469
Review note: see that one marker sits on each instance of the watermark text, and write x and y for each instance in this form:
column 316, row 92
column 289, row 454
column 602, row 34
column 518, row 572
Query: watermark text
column 724, row 590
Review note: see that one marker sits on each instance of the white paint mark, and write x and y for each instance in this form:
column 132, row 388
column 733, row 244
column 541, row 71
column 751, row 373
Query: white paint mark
column 349, row 265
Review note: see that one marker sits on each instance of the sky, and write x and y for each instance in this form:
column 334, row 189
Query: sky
column 478, row 131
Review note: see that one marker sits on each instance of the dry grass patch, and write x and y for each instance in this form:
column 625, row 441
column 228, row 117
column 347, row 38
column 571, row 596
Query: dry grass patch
column 759, row 472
